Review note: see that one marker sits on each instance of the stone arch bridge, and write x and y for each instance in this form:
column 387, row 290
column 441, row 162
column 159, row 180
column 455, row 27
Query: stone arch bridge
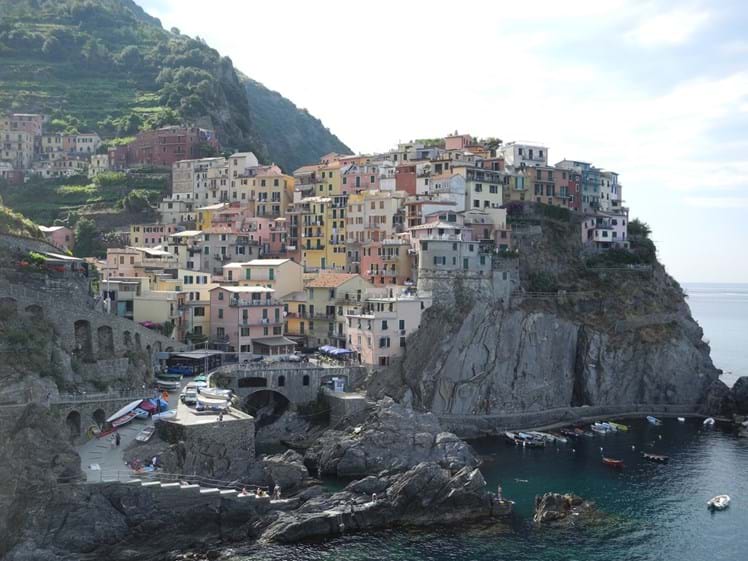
column 299, row 383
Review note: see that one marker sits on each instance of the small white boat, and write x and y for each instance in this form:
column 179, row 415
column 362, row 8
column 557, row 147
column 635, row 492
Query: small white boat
column 146, row 434
column 720, row 502
column 216, row 393
column 123, row 420
column 599, row 429
column 170, row 414
column 125, row 410
column 681, row 419
column 653, row 420
column 709, row 422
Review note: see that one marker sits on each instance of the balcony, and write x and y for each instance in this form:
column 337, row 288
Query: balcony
column 221, row 257
column 265, row 322
column 254, row 302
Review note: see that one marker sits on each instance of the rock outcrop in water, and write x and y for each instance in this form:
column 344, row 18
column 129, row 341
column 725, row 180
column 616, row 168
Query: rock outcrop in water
column 605, row 338
column 562, row 510
column 425, row 495
column 393, row 437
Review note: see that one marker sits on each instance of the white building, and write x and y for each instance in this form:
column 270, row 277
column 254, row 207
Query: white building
column 520, row 153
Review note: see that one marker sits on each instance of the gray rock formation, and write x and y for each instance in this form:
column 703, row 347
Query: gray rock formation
column 562, row 510
column 422, row 496
column 286, row 470
column 393, row 437
column 739, row 394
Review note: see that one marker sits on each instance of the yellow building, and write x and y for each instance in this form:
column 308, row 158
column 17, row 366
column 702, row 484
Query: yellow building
column 322, row 232
column 323, row 313
column 282, row 275
column 205, row 214
column 294, row 305
column 267, row 188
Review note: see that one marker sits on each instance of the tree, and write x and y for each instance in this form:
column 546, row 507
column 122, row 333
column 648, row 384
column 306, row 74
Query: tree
column 637, row 228
column 136, row 202
column 87, row 238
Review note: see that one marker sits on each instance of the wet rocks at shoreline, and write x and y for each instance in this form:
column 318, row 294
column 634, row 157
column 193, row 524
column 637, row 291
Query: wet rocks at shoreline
column 556, row 509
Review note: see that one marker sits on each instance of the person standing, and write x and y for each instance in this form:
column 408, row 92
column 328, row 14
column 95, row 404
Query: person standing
column 117, row 438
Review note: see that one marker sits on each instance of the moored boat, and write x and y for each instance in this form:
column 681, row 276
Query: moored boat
column 612, row 462
column 124, row 411
column 657, row 458
column 599, row 428
column 168, row 384
column 569, row 433
column 720, row 502
column 681, row 419
column 653, row 420
column 170, row 414
column 619, row 426
column 709, row 422
column 558, row 437
column 216, row 393
column 124, row 419
column 146, row 434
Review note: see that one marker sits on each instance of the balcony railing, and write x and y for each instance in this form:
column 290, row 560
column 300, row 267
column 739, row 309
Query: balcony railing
column 251, row 322
column 236, row 303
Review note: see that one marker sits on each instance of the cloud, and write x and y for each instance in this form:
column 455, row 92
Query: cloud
column 668, row 29
column 717, row 202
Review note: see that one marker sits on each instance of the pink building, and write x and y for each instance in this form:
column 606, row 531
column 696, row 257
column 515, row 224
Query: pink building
column 248, row 320
column 378, row 328
column 59, row 236
column 357, row 178
column 387, row 262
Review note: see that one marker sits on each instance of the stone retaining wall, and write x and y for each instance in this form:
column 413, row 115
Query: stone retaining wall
column 473, row 426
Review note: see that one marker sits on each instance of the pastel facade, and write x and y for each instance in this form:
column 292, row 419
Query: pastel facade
column 282, row 275
column 59, row 236
column 378, row 327
column 151, row 235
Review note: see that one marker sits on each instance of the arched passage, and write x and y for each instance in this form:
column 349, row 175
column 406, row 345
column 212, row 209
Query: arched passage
column 266, row 406
column 8, row 307
column 127, row 339
column 35, row 311
column 138, row 346
column 83, row 343
column 105, row 341
column 73, row 422
column 99, row 417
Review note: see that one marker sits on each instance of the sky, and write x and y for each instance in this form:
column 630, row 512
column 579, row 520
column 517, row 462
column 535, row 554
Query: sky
column 654, row 90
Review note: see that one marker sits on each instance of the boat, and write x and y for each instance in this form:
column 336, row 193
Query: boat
column 681, row 419
column 511, row 438
column 146, row 434
column 124, row 419
column 656, row 458
column 170, row 376
column 558, row 437
column 581, row 432
column 209, row 406
column 720, row 502
column 653, row 421
column 169, row 414
column 612, row 462
column 534, row 443
column 569, row 433
column 709, row 422
column 618, row 426
column 599, row 428
column 168, row 384
column 141, row 413
column 525, row 436
column 124, row 411
column 216, row 393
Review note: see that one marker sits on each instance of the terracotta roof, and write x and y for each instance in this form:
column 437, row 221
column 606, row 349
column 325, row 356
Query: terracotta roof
column 330, row 280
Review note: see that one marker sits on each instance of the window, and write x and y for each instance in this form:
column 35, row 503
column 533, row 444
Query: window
column 220, row 332
column 402, row 342
column 245, row 331
column 305, row 380
column 384, row 342
column 199, row 312
column 385, row 326
column 220, row 313
column 220, row 295
column 476, row 203
column 281, row 381
column 402, row 324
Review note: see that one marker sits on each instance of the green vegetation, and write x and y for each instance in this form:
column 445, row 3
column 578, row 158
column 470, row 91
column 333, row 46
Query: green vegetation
column 87, row 239
column 12, row 222
column 48, row 200
column 541, row 281
column 292, row 136
column 107, row 66
column 642, row 249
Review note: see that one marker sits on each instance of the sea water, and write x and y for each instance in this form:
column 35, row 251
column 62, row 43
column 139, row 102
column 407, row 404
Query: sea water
column 722, row 312
column 653, row 512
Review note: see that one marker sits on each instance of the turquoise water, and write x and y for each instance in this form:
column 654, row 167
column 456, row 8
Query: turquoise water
column 722, row 312
column 655, row 512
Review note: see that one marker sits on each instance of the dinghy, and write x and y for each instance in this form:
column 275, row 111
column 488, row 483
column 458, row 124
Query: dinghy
column 681, row 419
column 124, row 419
column 146, row 434
column 612, row 462
column 653, row 421
column 656, row 458
column 709, row 422
column 170, row 414
column 124, row 411
column 216, row 393
column 720, row 502
column 618, row 426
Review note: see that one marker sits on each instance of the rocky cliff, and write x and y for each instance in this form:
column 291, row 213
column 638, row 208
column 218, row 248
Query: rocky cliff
column 600, row 336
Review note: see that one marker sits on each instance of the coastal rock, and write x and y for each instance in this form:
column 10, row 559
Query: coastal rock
column 558, row 509
column 393, row 437
column 426, row 494
column 739, row 394
column 286, row 470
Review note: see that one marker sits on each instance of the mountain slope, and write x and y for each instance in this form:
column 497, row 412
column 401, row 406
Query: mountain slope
column 107, row 66
column 292, row 136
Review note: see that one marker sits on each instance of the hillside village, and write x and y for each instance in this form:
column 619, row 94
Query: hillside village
column 343, row 255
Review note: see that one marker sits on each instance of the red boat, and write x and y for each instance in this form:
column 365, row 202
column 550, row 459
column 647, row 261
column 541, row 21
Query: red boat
column 611, row 462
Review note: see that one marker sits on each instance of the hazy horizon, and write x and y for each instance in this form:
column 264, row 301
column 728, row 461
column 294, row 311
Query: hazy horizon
column 655, row 91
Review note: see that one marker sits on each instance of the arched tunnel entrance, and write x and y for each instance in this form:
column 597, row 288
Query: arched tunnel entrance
column 73, row 422
column 266, row 406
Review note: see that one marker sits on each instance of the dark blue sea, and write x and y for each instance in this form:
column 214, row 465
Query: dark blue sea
column 654, row 512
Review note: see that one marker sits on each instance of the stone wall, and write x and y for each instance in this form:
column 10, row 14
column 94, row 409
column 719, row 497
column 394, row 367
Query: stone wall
column 219, row 449
column 343, row 405
column 473, row 426
column 447, row 286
